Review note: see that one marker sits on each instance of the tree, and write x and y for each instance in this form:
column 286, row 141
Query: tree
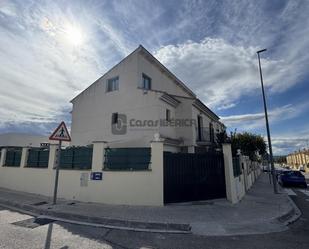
column 249, row 144
column 222, row 137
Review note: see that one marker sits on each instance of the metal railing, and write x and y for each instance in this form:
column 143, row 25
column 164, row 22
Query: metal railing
column 204, row 134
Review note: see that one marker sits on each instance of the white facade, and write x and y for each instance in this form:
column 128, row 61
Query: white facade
column 94, row 107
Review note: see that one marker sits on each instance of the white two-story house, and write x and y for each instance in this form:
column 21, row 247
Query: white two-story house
column 138, row 98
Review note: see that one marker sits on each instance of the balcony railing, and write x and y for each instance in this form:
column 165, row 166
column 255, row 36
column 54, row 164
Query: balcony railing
column 204, row 134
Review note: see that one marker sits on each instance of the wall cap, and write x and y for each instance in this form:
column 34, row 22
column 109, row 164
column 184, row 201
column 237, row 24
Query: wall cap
column 94, row 142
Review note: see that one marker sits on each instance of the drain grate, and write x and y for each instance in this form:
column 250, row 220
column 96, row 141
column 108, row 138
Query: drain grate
column 40, row 203
column 33, row 222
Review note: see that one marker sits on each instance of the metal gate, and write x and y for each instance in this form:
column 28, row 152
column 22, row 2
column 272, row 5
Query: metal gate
column 193, row 177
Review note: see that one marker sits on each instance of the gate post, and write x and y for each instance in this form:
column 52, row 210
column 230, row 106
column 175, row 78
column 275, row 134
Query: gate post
column 3, row 156
column 52, row 156
column 24, row 157
column 98, row 155
column 231, row 193
column 157, row 160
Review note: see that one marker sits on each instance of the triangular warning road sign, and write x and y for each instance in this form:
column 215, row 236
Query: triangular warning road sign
column 61, row 133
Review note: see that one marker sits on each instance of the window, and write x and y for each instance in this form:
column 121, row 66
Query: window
column 115, row 118
column 211, row 132
column 112, row 84
column 199, row 127
column 146, row 82
column 168, row 115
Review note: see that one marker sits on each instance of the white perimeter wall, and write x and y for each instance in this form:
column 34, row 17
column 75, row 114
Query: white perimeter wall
column 117, row 187
column 236, row 187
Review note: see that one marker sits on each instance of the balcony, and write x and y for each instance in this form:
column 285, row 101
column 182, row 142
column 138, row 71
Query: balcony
column 204, row 136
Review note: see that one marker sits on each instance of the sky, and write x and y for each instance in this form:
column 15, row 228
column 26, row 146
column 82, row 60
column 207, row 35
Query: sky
column 52, row 50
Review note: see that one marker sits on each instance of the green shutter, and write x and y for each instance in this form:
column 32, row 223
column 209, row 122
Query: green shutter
column 13, row 157
column 38, row 158
column 76, row 158
column 127, row 158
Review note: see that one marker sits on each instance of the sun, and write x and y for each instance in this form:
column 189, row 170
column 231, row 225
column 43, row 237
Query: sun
column 74, row 35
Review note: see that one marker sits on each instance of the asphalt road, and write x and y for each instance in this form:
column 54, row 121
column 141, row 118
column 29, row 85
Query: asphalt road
column 26, row 234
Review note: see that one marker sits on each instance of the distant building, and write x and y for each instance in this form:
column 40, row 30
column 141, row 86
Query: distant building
column 22, row 140
column 299, row 160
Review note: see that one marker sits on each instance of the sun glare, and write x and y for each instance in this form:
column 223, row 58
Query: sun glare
column 74, row 35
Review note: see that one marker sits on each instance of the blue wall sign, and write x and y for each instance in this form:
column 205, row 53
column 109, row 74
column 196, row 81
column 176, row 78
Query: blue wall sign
column 97, row 176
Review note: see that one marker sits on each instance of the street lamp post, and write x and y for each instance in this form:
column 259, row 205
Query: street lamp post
column 267, row 127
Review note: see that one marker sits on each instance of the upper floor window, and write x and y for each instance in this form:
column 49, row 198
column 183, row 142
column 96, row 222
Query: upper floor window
column 115, row 118
column 168, row 115
column 112, row 84
column 146, row 82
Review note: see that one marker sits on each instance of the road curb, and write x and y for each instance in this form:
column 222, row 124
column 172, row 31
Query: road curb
column 97, row 221
column 292, row 215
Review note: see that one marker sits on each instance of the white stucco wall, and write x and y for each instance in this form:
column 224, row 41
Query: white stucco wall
column 236, row 187
column 93, row 108
column 117, row 187
column 160, row 79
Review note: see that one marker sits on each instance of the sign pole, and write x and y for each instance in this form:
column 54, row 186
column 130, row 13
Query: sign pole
column 57, row 166
column 60, row 134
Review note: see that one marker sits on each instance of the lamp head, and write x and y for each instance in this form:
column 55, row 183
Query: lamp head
column 262, row 50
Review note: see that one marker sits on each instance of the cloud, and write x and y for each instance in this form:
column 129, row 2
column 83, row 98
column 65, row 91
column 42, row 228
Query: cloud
column 221, row 65
column 210, row 45
column 7, row 8
column 228, row 106
column 284, row 142
column 42, row 66
column 221, row 72
column 288, row 143
column 252, row 121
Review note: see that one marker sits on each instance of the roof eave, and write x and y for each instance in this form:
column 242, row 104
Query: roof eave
column 173, row 76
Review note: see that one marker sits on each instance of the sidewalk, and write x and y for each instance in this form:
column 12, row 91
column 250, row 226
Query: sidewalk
column 259, row 212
